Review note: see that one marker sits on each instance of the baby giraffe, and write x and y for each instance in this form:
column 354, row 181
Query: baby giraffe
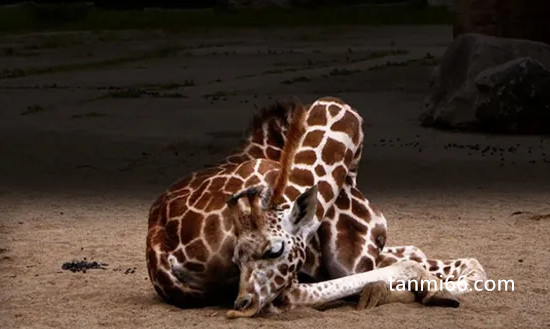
column 294, row 207
column 270, row 251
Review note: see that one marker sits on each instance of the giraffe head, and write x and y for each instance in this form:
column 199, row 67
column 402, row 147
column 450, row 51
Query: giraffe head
column 270, row 247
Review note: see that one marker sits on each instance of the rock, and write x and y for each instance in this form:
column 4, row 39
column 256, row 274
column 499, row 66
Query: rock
column 452, row 102
column 518, row 19
column 514, row 97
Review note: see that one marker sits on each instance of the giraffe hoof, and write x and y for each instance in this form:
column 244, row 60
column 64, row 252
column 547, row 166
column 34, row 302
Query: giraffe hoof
column 443, row 299
column 372, row 295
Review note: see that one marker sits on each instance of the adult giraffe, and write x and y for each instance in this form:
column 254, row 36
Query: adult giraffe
column 193, row 233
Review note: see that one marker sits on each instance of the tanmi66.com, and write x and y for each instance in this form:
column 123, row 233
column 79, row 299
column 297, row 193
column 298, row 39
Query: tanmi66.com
column 461, row 284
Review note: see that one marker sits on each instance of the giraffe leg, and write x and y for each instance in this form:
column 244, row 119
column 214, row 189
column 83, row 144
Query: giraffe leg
column 171, row 282
column 379, row 293
column 376, row 283
column 462, row 274
column 424, row 288
column 390, row 255
column 350, row 217
column 176, row 292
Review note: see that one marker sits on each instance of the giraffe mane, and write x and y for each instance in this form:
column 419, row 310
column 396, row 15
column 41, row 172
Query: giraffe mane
column 293, row 137
column 275, row 119
column 279, row 111
column 266, row 129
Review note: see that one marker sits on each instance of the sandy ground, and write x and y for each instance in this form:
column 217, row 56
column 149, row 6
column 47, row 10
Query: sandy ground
column 96, row 125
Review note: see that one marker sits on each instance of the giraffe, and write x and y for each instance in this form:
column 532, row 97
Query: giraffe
column 271, row 249
column 192, row 237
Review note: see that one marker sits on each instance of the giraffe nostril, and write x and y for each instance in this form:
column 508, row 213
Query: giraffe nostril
column 243, row 302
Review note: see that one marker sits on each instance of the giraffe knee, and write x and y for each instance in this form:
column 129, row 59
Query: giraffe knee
column 177, row 269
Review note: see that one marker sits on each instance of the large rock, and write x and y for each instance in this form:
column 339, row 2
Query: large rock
column 514, row 97
column 519, row 19
column 454, row 95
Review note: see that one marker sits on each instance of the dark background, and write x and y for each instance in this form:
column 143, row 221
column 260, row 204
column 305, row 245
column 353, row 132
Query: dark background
column 101, row 110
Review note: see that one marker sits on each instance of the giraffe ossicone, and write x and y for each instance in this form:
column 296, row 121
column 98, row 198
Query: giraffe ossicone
column 285, row 205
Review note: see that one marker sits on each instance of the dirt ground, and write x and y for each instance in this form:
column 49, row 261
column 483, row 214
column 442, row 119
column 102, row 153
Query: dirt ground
column 93, row 126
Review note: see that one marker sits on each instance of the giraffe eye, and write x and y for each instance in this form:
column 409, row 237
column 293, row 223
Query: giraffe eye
column 275, row 251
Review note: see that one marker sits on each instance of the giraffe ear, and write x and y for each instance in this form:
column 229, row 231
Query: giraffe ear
column 302, row 216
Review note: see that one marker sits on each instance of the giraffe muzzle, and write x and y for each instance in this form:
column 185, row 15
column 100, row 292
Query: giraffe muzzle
column 245, row 307
column 242, row 302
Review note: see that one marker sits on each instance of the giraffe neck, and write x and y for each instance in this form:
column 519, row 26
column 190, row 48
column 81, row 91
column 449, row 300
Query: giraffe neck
column 324, row 152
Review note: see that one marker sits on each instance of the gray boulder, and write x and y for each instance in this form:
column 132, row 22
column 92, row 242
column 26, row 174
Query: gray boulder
column 452, row 102
column 514, row 97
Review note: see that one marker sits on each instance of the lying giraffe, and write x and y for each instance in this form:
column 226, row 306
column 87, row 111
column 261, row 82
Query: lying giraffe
column 195, row 239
